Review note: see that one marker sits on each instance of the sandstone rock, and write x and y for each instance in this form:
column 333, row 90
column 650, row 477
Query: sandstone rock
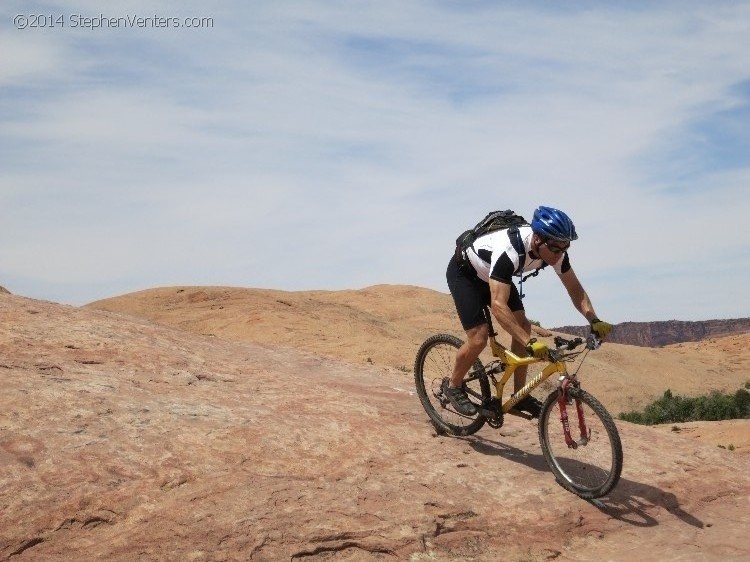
column 385, row 325
column 121, row 439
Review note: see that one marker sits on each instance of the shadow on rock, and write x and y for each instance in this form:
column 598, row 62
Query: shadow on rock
column 630, row 502
column 489, row 447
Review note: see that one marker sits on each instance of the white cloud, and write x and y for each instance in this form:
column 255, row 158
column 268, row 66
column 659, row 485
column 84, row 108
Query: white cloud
column 139, row 157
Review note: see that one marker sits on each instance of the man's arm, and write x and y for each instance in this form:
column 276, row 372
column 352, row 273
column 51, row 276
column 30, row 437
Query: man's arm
column 500, row 292
column 578, row 295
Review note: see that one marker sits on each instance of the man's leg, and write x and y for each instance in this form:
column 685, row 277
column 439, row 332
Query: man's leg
column 470, row 295
column 519, row 348
column 476, row 341
column 529, row 404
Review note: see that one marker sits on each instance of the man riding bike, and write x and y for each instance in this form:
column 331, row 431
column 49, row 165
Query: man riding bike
column 484, row 278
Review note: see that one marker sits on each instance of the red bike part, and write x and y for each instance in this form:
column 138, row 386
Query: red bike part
column 585, row 433
column 562, row 402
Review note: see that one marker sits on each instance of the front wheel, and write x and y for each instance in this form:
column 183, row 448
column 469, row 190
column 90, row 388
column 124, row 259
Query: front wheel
column 591, row 467
column 432, row 370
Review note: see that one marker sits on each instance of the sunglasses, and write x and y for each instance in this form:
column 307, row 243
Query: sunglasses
column 556, row 249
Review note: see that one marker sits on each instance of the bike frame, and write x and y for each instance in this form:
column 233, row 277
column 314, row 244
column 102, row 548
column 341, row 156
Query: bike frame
column 592, row 470
column 513, row 362
column 510, row 362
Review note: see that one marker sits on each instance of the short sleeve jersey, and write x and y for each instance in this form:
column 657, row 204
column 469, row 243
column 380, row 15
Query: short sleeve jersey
column 493, row 256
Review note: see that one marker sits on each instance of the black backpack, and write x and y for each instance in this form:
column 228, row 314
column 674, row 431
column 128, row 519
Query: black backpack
column 496, row 220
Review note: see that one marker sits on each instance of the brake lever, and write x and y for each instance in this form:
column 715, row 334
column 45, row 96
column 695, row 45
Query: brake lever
column 593, row 341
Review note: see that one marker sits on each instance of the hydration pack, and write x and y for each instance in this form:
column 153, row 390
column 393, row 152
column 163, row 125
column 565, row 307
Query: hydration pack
column 496, row 220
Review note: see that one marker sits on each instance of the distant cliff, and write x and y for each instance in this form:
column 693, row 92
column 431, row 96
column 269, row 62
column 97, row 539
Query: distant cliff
column 657, row 334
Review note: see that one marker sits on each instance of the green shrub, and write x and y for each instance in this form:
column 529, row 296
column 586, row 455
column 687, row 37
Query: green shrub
column 672, row 408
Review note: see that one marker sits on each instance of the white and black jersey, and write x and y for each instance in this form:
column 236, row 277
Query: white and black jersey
column 494, row 257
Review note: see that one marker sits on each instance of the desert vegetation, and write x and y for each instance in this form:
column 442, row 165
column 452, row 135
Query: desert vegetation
column 673, row 408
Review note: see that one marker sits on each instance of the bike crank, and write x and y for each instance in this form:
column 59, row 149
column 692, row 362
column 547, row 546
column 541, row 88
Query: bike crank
column 492, row 412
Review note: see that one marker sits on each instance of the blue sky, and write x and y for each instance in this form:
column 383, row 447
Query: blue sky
column 336, row 145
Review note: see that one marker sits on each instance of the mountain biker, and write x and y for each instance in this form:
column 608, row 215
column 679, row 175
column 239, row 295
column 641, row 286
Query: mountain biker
column 484, row 278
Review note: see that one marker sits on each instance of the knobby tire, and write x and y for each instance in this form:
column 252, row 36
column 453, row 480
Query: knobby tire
column 589, row 471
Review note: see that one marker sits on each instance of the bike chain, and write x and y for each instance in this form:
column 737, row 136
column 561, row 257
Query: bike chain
column 496, row 407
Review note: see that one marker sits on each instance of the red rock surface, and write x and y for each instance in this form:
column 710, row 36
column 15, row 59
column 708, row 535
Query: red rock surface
column 122, row 439
column 385, row 325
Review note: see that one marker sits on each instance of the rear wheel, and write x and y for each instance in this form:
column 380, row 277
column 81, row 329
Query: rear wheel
column 432, row 371
column 592, row 468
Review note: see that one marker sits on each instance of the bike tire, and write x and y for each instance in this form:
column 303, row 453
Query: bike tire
column 432, row 369
column 590, row 470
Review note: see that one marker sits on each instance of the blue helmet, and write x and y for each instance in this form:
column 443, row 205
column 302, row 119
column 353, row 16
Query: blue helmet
column 553, row 223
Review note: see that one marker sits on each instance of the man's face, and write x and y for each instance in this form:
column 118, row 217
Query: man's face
column 552, row 251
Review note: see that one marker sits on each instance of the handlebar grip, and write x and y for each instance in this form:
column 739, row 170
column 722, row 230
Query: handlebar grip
column 562, row 343
column 574, row 343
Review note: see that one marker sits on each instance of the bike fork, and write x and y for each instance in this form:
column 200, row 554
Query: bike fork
column 585, row 432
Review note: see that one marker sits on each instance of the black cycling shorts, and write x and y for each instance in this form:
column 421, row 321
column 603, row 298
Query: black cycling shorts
column 471, row 295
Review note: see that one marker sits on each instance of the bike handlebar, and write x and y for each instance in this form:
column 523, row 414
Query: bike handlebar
column 593, row 341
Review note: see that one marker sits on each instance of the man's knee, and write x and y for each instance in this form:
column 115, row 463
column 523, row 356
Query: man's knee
column 476, row 338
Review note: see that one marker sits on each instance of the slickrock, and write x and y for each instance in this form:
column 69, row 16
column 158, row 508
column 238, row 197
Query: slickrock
column 122, row 439
column 386, row 324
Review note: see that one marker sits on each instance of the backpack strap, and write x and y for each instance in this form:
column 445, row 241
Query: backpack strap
column 515, row 239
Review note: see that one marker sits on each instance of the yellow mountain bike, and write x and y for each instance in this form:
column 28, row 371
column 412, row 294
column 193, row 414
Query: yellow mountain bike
column 579, row 438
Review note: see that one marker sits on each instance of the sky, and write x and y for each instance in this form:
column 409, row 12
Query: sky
column 332, row 145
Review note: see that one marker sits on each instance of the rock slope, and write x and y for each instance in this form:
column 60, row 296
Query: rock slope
column 127, row 440
column 386, row 324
